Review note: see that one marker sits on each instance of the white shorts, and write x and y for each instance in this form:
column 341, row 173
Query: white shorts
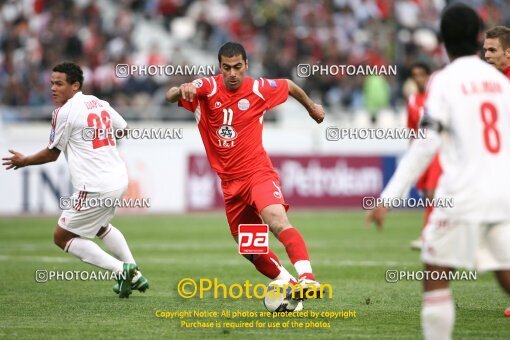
column 463, row 244
column 84, row 220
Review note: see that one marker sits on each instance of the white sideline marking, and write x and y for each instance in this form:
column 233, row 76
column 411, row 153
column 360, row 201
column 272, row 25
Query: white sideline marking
column 233, row 261
column 34, row 246
column 48, row 259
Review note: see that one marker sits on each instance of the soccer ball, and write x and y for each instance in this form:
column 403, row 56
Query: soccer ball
column 278, row 298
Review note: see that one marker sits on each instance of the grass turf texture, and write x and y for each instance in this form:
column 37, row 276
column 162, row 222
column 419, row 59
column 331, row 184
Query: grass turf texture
column 345, row 254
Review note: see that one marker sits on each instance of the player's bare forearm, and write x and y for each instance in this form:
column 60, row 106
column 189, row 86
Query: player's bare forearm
column 44, row 156
column 315, row 110
column 300, row 95
column 173, row 95
column 18, row 160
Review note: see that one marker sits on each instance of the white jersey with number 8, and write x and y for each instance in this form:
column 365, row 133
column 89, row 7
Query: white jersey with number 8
column 94, row 163
column 471, row 101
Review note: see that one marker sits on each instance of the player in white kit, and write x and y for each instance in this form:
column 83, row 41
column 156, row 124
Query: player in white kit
column 97, row 172
column 467, row 117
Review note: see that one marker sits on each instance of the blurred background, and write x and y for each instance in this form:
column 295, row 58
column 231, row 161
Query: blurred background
column 277, row 34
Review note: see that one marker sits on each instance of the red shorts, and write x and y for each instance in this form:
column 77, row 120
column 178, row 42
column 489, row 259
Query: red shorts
column 430, row 177
column 246, row 198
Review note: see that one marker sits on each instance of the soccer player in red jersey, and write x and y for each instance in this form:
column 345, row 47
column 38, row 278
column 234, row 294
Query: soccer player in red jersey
column 497, row 52
column 229, row 109
column 497, row 49
column 427, row 183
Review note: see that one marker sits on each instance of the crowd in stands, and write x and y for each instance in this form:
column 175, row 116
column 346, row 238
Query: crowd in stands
column 277, row 34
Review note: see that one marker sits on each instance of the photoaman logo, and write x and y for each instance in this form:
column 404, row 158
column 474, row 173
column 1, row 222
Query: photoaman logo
column 253, row 238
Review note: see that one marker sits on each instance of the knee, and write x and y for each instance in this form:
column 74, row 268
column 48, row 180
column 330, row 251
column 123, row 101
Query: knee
column 57, row 239
column 60, row 238
column 101, row 232
column 504, row 280
column 277, row 223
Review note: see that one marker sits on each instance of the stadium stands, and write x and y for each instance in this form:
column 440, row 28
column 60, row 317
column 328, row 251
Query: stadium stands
column 278, row 35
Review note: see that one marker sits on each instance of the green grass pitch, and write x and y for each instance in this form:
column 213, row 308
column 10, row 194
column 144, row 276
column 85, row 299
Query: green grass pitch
column 168, row 248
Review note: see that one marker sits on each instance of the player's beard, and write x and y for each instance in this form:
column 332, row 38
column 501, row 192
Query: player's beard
column 233, row 84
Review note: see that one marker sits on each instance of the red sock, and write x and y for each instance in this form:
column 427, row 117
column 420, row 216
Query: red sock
column 294, row 245
column 265, row 265
column 308, row 276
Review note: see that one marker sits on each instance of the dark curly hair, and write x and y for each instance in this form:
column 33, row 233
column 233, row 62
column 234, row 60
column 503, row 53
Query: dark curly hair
column 460, row 26
column 73, row 72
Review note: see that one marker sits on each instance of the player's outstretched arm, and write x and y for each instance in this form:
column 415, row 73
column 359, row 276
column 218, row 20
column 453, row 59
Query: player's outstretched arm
column 173, row 95
column 186, row 91
column 315, row 110
column 18, row 160
column 414, row 162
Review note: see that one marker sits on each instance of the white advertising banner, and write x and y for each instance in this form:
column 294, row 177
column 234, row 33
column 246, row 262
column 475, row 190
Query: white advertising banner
column 158, row 167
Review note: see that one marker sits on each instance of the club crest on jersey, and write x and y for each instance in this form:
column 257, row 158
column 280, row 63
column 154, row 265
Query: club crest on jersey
column 243, row 104
column 197, row 83
column 226, row 132
column 217, row 104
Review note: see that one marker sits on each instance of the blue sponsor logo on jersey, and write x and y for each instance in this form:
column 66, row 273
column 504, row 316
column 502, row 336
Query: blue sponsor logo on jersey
column 271, row 82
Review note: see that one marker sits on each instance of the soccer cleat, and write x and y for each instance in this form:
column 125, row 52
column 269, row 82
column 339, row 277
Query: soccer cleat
column 280, row 297
column 141, row 285
column 305, row 285
column 507, row 312
column 293, row 304
column 124, row 280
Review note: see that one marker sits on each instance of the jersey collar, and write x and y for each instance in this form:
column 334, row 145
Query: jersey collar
column 245, row 84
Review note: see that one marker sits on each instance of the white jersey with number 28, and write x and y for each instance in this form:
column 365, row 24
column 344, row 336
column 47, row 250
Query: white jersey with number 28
column 94, row 163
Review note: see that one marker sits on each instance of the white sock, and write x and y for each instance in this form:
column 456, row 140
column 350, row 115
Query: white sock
column 89, row 252
column 302, row 267
column 285, row 275
column 438, row 314
column 115, row 242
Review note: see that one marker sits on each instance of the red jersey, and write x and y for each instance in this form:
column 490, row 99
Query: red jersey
column 507, row 72
column 230, row 122
column 415, row 105
column 429, row 178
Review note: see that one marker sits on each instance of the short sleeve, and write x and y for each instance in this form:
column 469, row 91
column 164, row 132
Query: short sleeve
column 437, row 108
column 118, row 122
column 274, row 91
column 204, row 86
column 60, row 129
column 190, row 106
